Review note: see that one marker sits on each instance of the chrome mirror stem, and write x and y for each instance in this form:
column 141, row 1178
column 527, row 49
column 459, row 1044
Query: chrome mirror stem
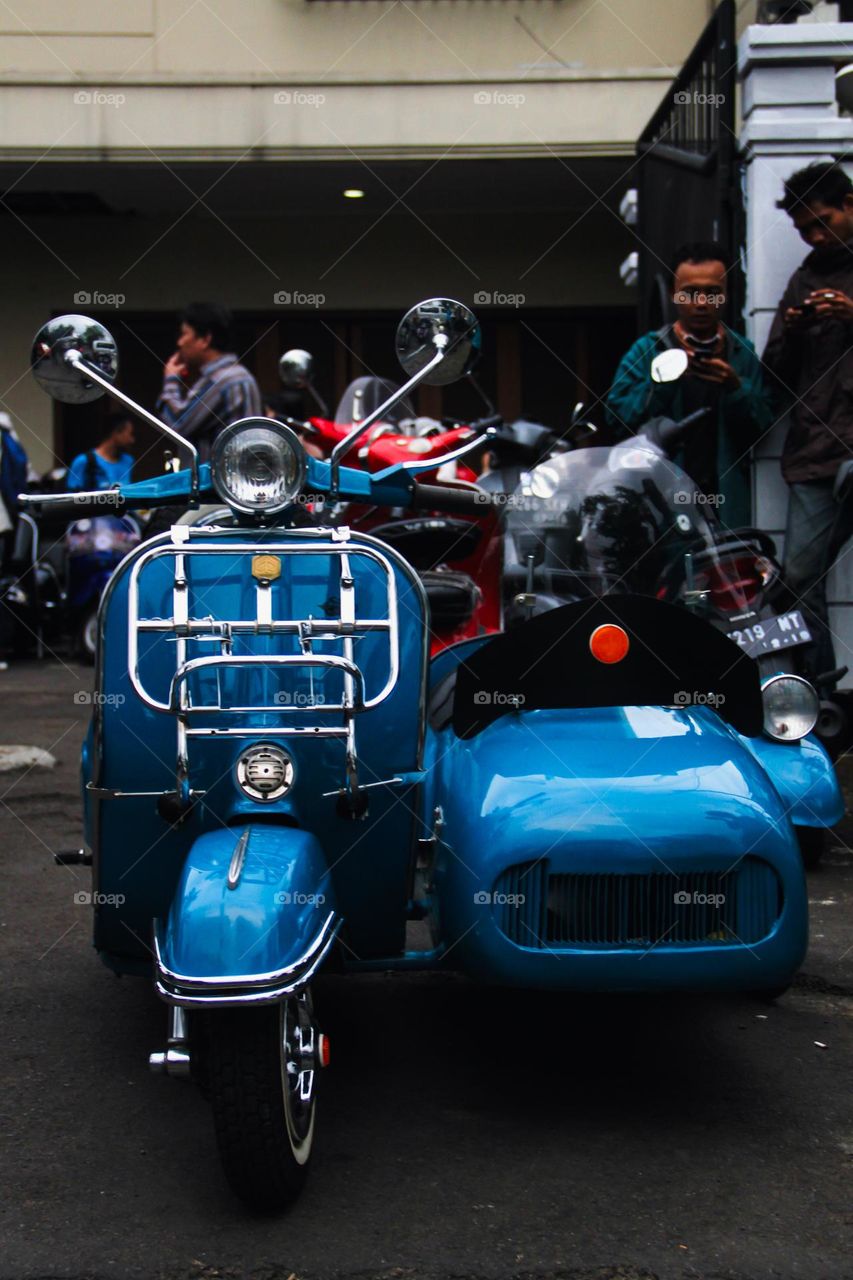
column 75, row 359
column 344, row 446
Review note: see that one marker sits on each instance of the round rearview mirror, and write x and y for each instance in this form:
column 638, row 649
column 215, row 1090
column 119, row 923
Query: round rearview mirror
column 295, row 368
column 417, row 333
column 52, row 369
column 670, row 365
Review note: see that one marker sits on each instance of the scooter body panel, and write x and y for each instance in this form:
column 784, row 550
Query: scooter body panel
column 249, row 902
column 139, row 855
column 568, row 836
column 803, row 775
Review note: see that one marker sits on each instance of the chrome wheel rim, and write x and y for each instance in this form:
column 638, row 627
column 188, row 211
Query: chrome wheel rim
column 298, row 1073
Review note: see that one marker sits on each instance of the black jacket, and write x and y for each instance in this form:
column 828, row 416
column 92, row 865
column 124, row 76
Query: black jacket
column 812, row 372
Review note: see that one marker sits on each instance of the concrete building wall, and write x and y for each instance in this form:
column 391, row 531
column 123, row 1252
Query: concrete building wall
column 378, row 40
column 104, row 102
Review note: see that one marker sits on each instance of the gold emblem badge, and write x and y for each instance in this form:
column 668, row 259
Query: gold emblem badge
column 266, row 568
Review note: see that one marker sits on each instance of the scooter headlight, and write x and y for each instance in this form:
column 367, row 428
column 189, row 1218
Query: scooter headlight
column 791, row 707
column 258, row 466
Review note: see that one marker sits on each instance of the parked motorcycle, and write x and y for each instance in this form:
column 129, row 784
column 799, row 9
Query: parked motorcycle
column 457, row 557
column 55, row 578
column 276, row 777
column 745, row 592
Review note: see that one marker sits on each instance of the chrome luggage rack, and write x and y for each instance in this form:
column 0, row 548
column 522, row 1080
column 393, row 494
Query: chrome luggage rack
column 188, row 542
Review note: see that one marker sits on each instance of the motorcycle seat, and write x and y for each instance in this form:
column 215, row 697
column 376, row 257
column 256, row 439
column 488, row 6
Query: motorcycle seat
column 452, row 596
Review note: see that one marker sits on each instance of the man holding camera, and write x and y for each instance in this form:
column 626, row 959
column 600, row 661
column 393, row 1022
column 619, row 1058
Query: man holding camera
column 810, row 355
column 723, row 377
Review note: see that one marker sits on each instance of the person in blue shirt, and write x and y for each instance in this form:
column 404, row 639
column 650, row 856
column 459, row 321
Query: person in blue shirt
column 109, row 463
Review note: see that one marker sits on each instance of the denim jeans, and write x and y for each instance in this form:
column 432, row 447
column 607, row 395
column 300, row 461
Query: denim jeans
column 817, row 529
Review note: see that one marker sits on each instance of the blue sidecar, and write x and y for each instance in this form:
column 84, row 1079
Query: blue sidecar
column 277, row 779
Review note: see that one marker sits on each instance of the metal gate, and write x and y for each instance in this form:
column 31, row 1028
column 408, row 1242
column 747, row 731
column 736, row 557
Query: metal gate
column 688, row 184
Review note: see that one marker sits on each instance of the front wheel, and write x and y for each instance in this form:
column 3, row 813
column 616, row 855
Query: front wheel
column 262, row 1073
column 86, row 638
column 812, row 842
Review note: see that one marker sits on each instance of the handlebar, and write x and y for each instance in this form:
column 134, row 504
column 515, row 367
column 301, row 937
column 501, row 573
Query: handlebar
column 667, row 433
column 76, row 506
column 396, row 486
column 441, row 497
column 477, row 424
column 482, row 424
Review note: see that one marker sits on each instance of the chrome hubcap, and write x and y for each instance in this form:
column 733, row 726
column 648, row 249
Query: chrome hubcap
column 299, row 1046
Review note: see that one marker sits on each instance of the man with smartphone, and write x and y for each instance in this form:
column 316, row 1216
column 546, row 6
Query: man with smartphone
column 723, row 376
column 204, row 385
column 809, row 355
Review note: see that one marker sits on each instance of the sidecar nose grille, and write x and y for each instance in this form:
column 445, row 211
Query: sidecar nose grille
column 732, row 907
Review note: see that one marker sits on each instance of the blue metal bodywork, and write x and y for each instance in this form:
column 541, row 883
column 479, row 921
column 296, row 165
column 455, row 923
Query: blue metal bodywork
column 612, row 848
column 237, row 926
column 140, row 858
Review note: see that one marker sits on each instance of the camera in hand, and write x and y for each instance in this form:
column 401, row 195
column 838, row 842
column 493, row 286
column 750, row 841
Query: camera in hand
column 702, row 349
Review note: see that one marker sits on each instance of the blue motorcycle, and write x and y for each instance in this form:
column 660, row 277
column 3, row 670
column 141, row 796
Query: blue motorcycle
column 277, row 780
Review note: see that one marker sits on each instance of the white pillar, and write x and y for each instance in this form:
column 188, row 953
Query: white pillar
column 790, row 119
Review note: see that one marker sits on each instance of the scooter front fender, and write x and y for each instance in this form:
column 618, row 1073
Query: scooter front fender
column 252, row 920
column 804, row 777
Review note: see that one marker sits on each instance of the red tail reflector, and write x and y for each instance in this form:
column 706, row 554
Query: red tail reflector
column 734, row 583
column 609, row 643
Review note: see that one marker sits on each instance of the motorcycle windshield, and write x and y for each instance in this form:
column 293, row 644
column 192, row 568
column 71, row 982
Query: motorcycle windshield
column 364, row 395
column 601, row 520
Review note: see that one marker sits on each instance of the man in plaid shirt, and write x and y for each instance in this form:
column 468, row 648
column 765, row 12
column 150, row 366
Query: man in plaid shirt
column 220, row 390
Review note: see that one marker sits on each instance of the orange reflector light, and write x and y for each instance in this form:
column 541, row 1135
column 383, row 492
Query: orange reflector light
column 325, row 1052
column 609, row 643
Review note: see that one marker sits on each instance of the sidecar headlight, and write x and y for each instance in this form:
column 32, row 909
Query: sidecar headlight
column 258, row 466
column 791, row 707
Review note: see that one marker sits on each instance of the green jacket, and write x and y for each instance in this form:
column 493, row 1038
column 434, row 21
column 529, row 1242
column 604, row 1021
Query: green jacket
column 743, row 415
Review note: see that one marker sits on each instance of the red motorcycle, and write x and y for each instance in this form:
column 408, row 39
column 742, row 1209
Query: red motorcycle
column 458, row 558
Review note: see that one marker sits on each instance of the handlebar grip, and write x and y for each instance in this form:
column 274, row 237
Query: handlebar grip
column 72, row 507
column 482, row 424
column 440, row 497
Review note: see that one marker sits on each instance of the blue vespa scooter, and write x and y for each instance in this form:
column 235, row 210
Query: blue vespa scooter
column 276, row 779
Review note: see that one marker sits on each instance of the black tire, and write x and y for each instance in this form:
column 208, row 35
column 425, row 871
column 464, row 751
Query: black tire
column 833, row 727
column 771, row 993
column 263, row 1131
column 812, row 841
column 86, row 636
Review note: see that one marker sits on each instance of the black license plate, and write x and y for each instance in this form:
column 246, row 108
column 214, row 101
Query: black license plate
column 771, row 635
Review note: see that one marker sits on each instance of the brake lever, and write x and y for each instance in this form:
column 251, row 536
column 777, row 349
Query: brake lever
column 432, row 464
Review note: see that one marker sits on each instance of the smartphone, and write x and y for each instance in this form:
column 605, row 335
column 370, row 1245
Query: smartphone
column 809, row 305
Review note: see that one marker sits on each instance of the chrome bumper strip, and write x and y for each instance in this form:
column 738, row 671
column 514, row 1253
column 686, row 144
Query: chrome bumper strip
column 258, row 988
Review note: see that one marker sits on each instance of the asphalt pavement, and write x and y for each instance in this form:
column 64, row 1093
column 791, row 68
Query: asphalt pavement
column 461, row 1132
